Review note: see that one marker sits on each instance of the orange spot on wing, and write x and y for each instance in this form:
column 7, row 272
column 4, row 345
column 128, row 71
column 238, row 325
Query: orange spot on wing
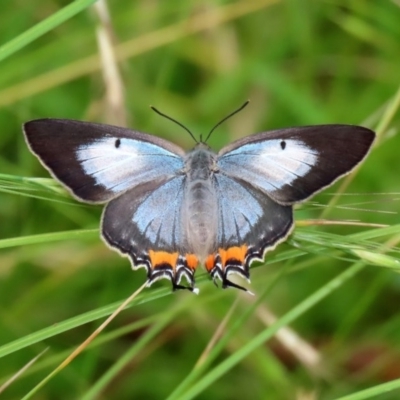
column 191, row 261
column 163, row 257
column 238, row 253
column 210, row 262
column 223, row 253
column 233, row 253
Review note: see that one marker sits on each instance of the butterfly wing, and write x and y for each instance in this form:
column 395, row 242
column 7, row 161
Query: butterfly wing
column 249, row 223
column 292, row 164
column 98, row 162
column 145, row 223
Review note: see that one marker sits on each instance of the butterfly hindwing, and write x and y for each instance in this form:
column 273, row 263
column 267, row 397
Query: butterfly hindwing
column 98, row 162
column 249, row 223
column 292, row 164
column 246, row 215
column 147, row 216
column 145, row 223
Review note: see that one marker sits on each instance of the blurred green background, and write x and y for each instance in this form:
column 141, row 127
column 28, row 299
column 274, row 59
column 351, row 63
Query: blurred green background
column 300, row 62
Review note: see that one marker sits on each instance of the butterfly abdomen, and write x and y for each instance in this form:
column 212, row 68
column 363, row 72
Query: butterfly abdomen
column 200, row 210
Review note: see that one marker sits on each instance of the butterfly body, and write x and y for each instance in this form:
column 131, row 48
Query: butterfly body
column 170, row 211
column 200, row 204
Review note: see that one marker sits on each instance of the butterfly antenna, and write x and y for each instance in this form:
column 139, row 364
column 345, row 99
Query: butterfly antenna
column 174, row 120
column 224, row 119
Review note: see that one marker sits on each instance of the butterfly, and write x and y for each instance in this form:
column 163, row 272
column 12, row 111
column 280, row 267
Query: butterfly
column 170, row 211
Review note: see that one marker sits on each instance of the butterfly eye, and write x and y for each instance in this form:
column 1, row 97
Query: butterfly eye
column 117, row 143
column 283, row 145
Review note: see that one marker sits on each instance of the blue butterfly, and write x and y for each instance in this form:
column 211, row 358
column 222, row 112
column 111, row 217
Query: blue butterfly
column 170, row 211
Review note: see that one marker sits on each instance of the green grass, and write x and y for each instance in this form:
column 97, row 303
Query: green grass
column 335, row 287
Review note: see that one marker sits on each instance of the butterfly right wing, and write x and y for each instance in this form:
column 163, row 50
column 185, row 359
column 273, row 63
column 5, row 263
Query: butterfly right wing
column 98, row 162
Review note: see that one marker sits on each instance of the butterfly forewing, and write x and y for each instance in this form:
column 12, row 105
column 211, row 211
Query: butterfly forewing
column 98, row 162
column 290, row 165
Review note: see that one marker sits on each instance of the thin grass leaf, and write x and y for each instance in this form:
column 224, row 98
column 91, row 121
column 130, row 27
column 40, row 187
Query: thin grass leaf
column 78, row 234
column 381, row 260
column 43, row 27
column 374, row 391
column 79, row 320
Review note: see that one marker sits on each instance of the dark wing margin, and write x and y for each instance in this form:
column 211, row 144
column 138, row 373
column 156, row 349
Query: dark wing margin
column 290, row 165
column 97, row 162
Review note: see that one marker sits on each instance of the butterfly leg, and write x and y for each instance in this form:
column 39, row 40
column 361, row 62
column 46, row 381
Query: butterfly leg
column 214, row 279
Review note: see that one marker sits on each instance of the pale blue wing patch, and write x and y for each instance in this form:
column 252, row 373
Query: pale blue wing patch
column 118, row 164
column 147, row 217
column 158, row 217
column 238, row 211
column 271, row 164
column 248, row 217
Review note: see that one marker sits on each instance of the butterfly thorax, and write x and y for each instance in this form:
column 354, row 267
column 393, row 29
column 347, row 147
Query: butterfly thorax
column 199, row 212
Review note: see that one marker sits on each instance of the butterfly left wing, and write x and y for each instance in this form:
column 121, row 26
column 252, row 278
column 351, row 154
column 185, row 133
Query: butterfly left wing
column 260, row 177
column 98, row 162
column 290, row 165
column 249, row 224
